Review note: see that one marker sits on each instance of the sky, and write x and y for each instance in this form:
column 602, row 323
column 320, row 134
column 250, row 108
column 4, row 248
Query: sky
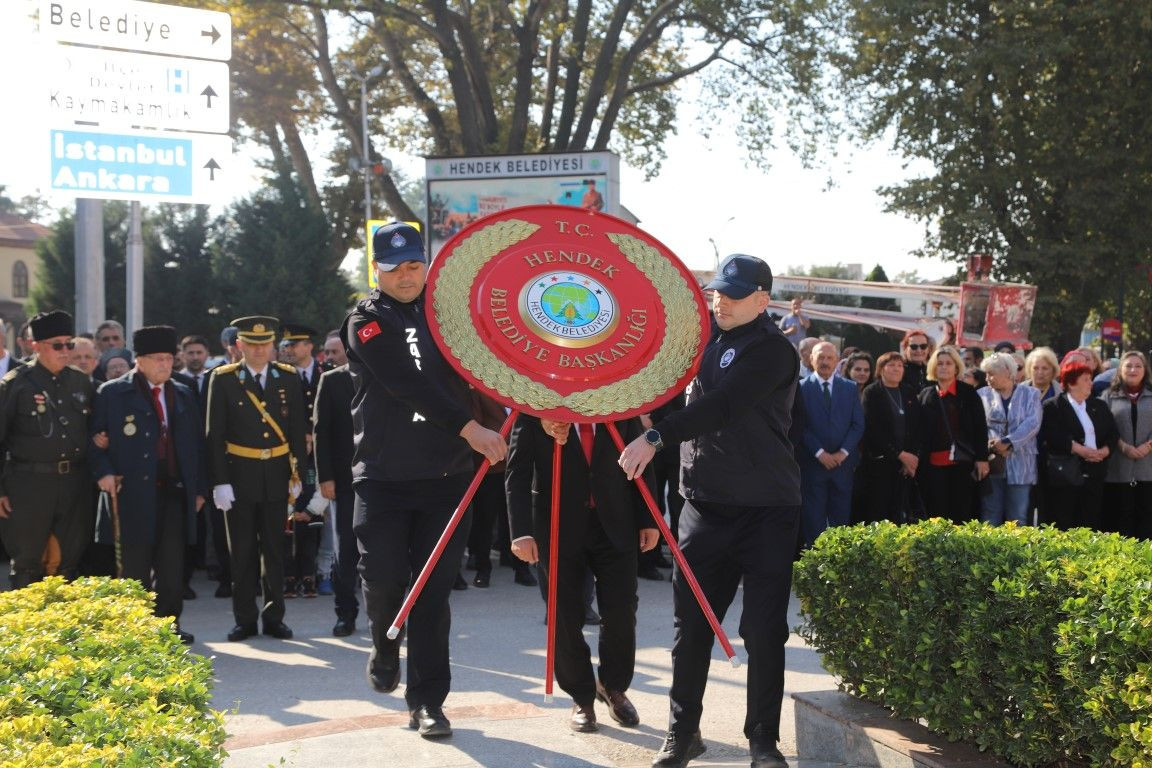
column 704, row 203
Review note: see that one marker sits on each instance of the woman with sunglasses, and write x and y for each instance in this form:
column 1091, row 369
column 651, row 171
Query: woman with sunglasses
column 916, row 347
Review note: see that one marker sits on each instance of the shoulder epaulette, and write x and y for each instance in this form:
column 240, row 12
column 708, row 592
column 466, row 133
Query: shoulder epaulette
column 16, row 372
column 285, row 367
column 227, row 368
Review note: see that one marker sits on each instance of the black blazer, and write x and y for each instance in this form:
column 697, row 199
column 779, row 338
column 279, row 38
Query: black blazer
column 879, row 441
column 332, row 434
column 528, row 482
column 973, row 431
column 1060, row 427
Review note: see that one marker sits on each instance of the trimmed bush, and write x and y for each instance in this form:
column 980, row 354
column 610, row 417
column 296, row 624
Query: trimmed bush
column 89, row 677
column 1034, row 644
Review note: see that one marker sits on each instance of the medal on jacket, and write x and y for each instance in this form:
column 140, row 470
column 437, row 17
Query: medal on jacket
column 40, row 398
column 129, row 427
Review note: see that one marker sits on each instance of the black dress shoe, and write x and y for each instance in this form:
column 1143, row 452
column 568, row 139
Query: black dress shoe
column 460, row 584
column 186, row 638
column 524, row 577
column 429, row 720
column 279, row 630
column 765, row 753
column 242, row 632
column 591, row 618
column 678, row 749
column 482, row 580
column 583, row 719
column 650, row 572
column 344, row 628
column 189, row 593
column 224, row 590
column 619, row 707
column 384, row 670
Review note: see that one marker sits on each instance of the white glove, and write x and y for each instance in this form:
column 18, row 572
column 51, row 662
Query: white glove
column 318, row 505
column 223, row 497
column 294, row 488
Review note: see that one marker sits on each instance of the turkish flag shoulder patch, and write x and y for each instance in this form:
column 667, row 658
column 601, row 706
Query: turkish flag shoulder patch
column 368, row 332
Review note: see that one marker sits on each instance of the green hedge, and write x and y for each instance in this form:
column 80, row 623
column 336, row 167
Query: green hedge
column 1034, row 644
column 89, row 677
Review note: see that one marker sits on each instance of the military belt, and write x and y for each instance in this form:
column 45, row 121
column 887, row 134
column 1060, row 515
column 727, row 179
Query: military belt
column 48, row 467
column 256, row 453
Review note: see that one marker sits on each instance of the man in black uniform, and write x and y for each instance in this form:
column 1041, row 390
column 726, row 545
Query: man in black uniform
column 45, row 489
column 301, row 546
column 256, row 428
column 414, row 440
column 741, row 486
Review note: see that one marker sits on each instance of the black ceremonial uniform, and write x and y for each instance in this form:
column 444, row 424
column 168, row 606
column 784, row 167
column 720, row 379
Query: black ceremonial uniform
column 332, row 446
column 411, row 470
column 248, row 454
column 44, row 434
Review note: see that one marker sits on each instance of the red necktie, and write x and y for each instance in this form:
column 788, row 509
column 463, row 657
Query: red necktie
column 157, row 394
column 586, row 437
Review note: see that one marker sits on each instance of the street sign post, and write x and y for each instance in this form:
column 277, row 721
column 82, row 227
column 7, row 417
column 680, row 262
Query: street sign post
column 131, row 25
column 89, row 86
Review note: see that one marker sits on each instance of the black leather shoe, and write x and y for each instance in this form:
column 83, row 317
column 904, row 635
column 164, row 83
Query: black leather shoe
column 460, row 584
column 524, row 577
column 651, row 572
column 583, row 719
column 242, row 632
column 384, row 672
column 224, row 590
column 429, row 720
column 765, row 753
column 279, row 630
column 678, row 749
column 482, row 580
column 619, row 707
column 343, row 628
column 186, row 638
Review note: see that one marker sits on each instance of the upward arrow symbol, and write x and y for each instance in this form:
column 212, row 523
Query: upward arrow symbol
column 212, row 167
column 209, row 93
column 212, row 33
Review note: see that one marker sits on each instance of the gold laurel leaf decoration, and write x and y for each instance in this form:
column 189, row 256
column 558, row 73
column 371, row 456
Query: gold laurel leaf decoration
column 451, row 303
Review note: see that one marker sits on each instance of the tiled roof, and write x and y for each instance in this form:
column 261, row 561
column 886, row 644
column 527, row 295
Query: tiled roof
column 18, row 231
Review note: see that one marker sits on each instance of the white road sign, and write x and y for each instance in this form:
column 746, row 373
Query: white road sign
column 137, row 26
column 148, row 166
column 105, row 88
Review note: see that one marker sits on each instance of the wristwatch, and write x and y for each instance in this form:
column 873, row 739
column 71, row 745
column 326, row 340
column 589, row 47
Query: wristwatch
column 652, row 437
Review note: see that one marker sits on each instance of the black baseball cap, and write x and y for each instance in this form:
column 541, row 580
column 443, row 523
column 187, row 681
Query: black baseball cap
column 395, row 243
column 740, row 276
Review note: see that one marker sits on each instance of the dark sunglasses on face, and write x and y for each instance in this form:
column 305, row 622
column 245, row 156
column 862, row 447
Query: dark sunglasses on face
column 57, row 346
column 917, row 346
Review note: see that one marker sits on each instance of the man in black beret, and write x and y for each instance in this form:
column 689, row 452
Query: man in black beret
column 152, row 462
column 44, row 483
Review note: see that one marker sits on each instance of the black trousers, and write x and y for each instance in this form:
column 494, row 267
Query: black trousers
column 1127, row 509
column 159, row 565
column 345, row 578
column 668, row 501
column 1076, row 507
column 219, row 541
column 255, row 539
column 397, row 526
column 300, row 549
column 723, row 544
column 488, row 505
column 615, row 573
column 949, row 492
column 43, row 505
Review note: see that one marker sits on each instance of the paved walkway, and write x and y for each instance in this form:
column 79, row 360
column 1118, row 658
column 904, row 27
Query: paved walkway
column 305, row 703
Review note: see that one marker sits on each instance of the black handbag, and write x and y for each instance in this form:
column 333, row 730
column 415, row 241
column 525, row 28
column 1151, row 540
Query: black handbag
column 1064, row 471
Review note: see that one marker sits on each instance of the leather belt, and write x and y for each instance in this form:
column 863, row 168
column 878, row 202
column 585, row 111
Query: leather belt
column 48, row 467
column 256, row 453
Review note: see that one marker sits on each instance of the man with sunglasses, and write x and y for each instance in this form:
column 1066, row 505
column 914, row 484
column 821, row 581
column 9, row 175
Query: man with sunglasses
column 44, row 486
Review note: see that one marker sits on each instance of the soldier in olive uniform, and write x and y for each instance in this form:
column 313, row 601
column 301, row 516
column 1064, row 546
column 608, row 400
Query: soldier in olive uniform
column 45, row 488
column 256, row 428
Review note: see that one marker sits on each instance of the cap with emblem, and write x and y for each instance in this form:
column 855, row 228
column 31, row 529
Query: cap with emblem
column 295, row 332
column 154, row 339
column 740, row 276
column 395, row 243
column 257, row 329
column 49, row 325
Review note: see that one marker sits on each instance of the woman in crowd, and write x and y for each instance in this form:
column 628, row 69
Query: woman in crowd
column 890, row 448
column 916, row 347
column 955, row 439
column 1078, row 432
column 114, row 363
column 858, row 368
column 1128, row 484
column 1040, row 369
column 1013, row 416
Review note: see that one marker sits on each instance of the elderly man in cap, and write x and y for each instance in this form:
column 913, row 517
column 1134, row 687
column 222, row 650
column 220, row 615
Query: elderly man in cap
column 256, row 427
column 741, row 486
column 153, row 464
column 415, row 438
column 44, row 485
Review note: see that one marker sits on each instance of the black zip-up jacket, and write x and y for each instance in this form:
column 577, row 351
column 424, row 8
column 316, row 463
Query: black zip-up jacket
column 409, row 405
column 734, row 428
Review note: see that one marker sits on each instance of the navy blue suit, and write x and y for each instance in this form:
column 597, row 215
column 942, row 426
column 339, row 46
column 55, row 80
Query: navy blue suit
column 828, row 426
column 157, row 509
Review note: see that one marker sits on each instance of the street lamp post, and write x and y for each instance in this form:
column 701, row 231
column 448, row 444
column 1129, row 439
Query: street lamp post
column 365, row 162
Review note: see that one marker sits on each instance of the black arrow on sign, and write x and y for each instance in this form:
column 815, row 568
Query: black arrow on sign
column 209, row 93
column 212, row 167
column 212, row 33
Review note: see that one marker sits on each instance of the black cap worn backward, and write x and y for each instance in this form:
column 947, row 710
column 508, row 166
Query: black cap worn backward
column 740, row 276
column 395, row 243
column 154, row 339
column 49, row 325
column 256, row 329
